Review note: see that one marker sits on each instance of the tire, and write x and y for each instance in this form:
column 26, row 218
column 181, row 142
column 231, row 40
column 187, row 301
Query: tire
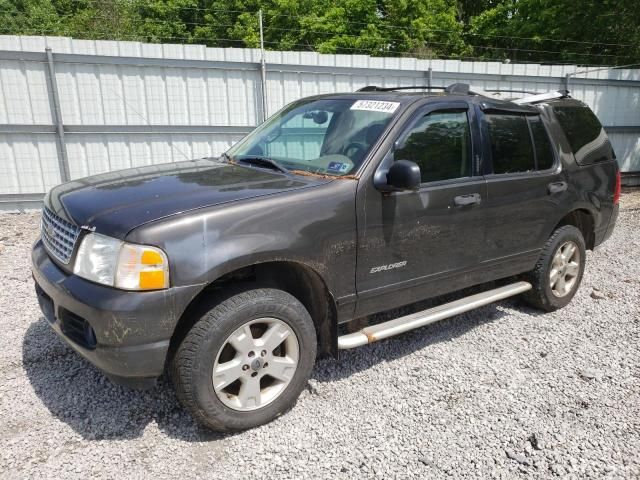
column 547, row 294
column 219, row 339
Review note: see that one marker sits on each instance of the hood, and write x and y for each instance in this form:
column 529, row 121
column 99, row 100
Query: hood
column 116, row 202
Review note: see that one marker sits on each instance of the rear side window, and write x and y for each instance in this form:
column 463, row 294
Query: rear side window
column 585, row 134
column 511, row 148
column 541, row 143
column 440, row 143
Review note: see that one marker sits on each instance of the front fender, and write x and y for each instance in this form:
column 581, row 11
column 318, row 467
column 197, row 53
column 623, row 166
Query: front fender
column 315, row 227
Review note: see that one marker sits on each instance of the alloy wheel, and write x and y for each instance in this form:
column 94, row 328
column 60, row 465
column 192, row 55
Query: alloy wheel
column 565, row 268
column 255, row 364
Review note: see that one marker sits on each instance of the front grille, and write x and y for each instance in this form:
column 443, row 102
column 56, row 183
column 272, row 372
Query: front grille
column 58, row 236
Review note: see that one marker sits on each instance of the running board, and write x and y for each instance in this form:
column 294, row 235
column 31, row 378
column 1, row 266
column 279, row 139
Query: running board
column 420, row 319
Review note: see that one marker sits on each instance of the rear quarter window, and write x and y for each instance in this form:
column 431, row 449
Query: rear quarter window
column 585, row 134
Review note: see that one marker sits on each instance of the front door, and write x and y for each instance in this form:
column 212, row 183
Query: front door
column 418, row 244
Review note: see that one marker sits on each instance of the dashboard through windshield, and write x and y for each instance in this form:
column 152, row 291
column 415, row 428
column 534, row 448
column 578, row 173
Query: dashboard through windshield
column 324, row 136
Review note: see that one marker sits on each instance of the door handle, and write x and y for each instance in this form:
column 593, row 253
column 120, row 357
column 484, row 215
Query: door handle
column 557, row 187
column 466, row 200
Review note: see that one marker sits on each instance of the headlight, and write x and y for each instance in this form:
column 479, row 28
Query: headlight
column 97, row 258
column 113, row 262
column 142, row 268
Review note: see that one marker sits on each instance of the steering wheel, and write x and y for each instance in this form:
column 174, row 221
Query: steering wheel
column 355, row 151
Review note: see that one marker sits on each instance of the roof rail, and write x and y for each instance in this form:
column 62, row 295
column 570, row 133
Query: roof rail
column 504, row 90
column 374, row 88
column 454, row 88
column 541, row 97
column 466, row 89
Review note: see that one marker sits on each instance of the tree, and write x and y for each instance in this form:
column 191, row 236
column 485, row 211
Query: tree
column 377, row 27
column 162, row 21
column 30, row 17
column 428, row 28
column 588, row 31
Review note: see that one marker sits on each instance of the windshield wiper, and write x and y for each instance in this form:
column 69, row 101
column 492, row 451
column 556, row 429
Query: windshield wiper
column 264, row 161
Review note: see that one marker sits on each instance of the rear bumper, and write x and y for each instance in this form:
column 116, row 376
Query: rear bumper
column 124, row 334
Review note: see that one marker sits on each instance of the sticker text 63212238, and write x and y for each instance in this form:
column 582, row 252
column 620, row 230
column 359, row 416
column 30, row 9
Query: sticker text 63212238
column 375, row 106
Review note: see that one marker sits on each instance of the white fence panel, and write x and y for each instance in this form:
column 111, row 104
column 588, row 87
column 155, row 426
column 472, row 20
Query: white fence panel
column 28, row 163
column 128, row 104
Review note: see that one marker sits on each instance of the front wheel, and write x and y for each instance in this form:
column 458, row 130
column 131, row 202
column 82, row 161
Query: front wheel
column 246, row 360
column 558, row 273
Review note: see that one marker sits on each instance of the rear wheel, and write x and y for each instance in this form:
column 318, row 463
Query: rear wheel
column 559, row 270
column 246, row 360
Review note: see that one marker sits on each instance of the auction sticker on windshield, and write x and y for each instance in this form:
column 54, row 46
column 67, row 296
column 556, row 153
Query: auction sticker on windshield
column 375, row 106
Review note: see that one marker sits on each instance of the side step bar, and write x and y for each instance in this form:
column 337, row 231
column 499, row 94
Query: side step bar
column 420, row 319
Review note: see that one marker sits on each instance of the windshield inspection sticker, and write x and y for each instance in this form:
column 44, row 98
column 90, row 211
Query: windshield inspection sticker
column 338, row 167
column 375, row 106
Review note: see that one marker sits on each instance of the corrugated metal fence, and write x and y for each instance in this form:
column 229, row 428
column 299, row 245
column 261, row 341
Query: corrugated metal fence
column 71, row 108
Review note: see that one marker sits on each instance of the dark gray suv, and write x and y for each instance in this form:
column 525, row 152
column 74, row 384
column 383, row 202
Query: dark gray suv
column 235, row 273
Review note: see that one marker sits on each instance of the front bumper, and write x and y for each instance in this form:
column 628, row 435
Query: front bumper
column 124, row 334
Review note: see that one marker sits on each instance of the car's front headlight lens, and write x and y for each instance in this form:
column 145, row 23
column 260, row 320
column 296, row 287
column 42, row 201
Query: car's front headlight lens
column 97, row 258
column 113, row 262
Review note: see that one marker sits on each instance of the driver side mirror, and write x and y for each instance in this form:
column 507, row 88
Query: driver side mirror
column 402, row 175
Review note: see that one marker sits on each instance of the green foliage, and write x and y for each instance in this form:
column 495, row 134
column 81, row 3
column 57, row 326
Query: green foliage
column 591, row 31
column 583, row 31
column 338, row 26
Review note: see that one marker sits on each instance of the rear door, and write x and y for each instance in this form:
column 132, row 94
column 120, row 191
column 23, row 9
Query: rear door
column 525, row 188
column 416, row 244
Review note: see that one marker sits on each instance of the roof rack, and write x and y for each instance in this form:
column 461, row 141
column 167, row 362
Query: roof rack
column 466, row 89
column 374, row 88
column 541, row 97
column 504, row 90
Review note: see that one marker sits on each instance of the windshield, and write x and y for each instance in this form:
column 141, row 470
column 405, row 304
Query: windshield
column 326, row 136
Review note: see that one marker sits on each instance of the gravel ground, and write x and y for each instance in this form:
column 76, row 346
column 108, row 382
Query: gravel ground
column 503, row 391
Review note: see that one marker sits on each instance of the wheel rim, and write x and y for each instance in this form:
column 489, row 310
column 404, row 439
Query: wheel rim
column 565, row 268
column 255, row 364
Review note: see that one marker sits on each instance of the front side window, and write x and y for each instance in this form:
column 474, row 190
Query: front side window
column 440, row 143
column 511, row 148
column 324, row 136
